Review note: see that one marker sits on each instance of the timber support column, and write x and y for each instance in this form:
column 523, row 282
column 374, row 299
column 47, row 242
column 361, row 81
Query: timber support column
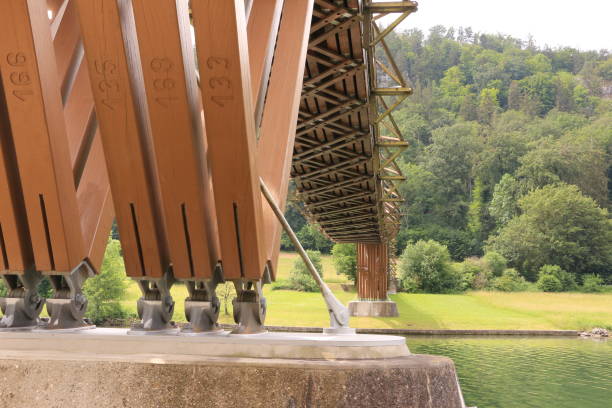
column 372, row 270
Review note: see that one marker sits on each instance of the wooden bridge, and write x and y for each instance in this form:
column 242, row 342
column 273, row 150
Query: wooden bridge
column 168, row 116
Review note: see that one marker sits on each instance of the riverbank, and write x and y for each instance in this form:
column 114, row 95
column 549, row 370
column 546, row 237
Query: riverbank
column 469, row 311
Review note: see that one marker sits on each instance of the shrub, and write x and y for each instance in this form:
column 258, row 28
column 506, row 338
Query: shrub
column 3, row 288
column 568, row 280
column 474, row 274
column 549, row 283
column 510, row 281
column 345, row 260
column 425, row 266
column 45, row 290
column 105, row 290
column 592, row 283
column 300, row 278
column 495, row 262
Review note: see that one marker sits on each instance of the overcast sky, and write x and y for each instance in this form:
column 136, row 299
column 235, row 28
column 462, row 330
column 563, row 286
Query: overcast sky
column 583, row 24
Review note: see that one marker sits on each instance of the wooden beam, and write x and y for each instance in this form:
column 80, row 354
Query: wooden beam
column 16, row 254
column 262, row 31
column 31, row 84
column 275, row 147
column 222, row 48
column 117, row 87
column 169, row 70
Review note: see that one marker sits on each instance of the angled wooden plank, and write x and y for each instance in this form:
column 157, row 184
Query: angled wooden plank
column 275, row 147
column 86, row 154
column 169, row 69
column 222, row 48
column 262, row 31
column 31, row 83
column 116, row 78
column 15, row 250
column 95, row 204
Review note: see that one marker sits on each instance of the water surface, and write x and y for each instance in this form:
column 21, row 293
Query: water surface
column 520, row 372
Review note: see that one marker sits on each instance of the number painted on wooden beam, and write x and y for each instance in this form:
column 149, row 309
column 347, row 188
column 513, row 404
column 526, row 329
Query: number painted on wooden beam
column 21, row 78
column 220, row 85
column 163, row 69
column 108, row 85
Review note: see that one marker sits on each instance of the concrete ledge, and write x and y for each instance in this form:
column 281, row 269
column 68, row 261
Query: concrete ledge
column 422, row 332
column 115, row 342
column 414, row 381
column 107, row 368
column 373, row 308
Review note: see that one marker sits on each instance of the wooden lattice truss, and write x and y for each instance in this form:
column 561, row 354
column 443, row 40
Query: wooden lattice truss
column 347, row 140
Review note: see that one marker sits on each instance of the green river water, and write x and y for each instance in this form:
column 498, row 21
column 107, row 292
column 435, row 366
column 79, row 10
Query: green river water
column 521, row 372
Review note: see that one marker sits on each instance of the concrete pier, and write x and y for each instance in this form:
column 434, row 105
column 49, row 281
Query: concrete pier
column 373, row 308
column 107, row 368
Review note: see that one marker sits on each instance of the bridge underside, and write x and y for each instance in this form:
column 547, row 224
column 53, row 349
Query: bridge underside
column 347, row 140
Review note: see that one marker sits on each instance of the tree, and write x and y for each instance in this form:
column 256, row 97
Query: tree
column 538, row 92
column 558, row 226
column 300, row 278
column 425, row 266
column 345, row 260
column 105, row 291
column 488, row 105
column 504, row 204
column 476, row 211
column 312, row 238
column 566, row 161
column 451, row 158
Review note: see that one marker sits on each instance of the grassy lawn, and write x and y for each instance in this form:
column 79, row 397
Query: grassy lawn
column 473, row 310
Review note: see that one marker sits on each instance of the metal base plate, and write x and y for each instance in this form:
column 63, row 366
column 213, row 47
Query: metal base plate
column 339, row 330
column 135, row 331
column 188, row 331
column 46, row 329
column 18, row 329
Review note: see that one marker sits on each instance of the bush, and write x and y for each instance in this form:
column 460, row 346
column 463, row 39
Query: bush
column 105, row 290
column 549, row 283
column 474, row 274
column 592, row 283
column 3, row 288
column 345, row 260
column 495, row 262
column 510, row 281
column 425, row 266
column 459, row 243
column 567, row 280
column 300, row 278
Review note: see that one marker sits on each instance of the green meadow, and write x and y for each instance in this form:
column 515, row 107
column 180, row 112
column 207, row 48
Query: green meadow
column 471, row 310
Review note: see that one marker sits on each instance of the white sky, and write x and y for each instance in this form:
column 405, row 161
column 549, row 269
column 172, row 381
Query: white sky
column 582, row 24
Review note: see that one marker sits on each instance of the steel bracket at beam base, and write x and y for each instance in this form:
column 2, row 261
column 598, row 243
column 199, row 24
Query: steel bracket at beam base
column 202, row 306
column 249, row 308
column 23, row 305
column 68, row 305
column 155, row 307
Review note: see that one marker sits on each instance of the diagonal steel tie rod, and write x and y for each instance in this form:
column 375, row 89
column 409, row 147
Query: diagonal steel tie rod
column 338, row 313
